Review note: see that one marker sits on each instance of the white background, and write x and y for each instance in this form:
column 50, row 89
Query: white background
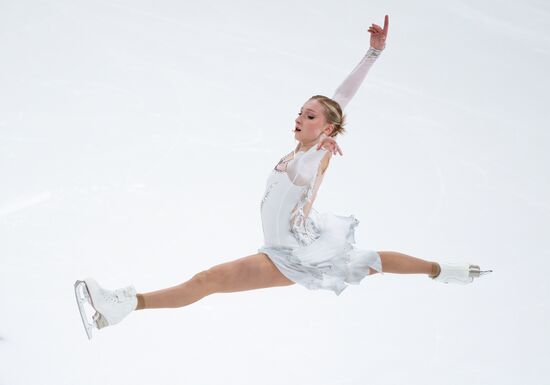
column 135, row 141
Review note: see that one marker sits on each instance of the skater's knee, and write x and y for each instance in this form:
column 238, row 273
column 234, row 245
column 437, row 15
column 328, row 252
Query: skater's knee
column 201, row 276
column 206, row 278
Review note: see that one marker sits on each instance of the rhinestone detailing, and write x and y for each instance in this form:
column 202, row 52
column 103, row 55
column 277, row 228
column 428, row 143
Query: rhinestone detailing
column 268, row 190
column 282, row 165
column 301, row 226
column 373, row 52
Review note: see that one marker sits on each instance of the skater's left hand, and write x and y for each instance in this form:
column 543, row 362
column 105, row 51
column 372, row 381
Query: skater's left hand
column 378, row 35
column 330, row 144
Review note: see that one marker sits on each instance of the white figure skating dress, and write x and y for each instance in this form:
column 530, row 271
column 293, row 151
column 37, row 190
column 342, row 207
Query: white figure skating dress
column 310, row 248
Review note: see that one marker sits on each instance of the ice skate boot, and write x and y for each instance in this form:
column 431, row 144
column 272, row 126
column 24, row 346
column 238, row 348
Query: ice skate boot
column 110, row 306
column 459, row 273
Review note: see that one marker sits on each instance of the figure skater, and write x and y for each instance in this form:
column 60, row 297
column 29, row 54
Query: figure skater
column 301, row 245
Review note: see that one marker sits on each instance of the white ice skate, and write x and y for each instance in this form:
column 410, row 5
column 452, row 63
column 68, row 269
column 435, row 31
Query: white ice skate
column 110, row 306
column 459, row 273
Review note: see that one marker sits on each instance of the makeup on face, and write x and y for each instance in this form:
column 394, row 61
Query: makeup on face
column 311, row 114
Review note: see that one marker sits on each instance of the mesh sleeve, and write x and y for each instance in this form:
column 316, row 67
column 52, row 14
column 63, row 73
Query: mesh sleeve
column 347, row 90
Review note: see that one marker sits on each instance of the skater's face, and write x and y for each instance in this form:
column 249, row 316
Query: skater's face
column 311, row 122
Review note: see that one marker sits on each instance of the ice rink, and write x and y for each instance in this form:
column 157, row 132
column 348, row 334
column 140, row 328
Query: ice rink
column 135, row 142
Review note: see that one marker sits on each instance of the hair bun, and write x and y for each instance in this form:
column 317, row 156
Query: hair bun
column 333, row 113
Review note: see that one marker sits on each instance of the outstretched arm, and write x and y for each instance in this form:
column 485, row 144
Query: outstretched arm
column 347, row 90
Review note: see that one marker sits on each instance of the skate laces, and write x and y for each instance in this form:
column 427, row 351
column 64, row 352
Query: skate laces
column 118, row 295
column 124, row 293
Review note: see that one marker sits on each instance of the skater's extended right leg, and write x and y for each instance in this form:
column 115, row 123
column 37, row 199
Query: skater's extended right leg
column 111, row 306
column 251, row 272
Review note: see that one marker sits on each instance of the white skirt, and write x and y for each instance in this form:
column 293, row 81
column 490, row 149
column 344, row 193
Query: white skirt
column 329, row 262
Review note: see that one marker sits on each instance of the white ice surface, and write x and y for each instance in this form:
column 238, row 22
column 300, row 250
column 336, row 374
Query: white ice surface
column 135, row 141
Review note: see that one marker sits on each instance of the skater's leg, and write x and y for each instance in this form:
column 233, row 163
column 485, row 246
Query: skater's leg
column 252, row 272
column 399, row 263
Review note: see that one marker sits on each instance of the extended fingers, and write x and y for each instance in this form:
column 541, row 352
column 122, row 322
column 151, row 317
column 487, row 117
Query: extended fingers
column 325, row 144
column 331, row 145
column 375, row 29
column 336, row 149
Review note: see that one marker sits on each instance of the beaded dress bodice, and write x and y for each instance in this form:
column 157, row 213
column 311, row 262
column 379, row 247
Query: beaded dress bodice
column 289, row 188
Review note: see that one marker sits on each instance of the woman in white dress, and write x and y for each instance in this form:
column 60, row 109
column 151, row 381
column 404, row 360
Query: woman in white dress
column 301, row 245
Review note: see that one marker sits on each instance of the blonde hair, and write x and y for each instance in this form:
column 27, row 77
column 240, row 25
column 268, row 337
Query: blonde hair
column 333, row 113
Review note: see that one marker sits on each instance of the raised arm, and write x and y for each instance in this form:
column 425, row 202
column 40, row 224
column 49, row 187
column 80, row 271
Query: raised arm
column 347, row 90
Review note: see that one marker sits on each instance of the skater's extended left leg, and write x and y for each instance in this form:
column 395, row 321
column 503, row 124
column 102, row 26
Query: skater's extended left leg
column 399, row 263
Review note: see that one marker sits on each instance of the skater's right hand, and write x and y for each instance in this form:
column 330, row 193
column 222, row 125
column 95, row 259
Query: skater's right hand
column 330, row 144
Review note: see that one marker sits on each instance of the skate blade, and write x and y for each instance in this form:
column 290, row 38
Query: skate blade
column 476, row 272
column 82, row 297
